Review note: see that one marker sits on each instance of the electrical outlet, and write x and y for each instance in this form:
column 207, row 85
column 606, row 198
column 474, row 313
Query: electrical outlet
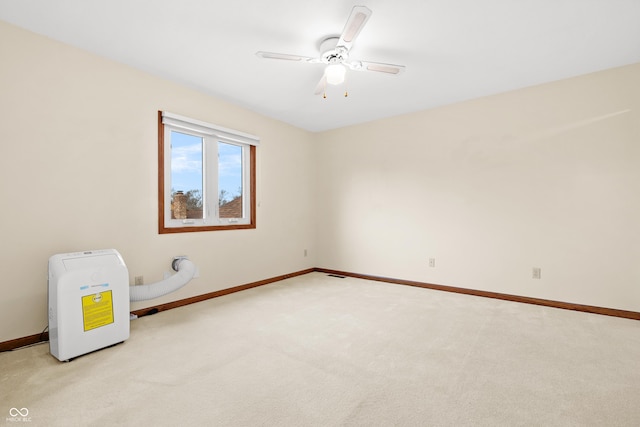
column 305, row 252
column 537, row 273
column 432, row 262
column 139, row 280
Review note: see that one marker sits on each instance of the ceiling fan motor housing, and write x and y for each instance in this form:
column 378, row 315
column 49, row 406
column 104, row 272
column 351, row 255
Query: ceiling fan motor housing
column 331, row 53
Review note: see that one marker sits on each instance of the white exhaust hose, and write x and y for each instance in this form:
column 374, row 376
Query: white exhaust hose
column 185, row 272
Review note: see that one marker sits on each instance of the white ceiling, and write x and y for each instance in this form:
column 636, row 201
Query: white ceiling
column 454, row 50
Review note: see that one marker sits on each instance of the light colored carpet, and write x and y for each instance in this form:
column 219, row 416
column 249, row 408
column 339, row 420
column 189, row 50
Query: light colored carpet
column 321, row 351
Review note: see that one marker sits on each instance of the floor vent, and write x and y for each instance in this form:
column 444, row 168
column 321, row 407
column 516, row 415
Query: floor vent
column 336, row 275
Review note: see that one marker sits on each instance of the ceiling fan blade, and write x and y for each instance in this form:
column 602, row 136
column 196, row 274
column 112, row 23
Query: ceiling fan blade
column 286, row 57
column 359, row 16
column 321, row 86
column 377, row 67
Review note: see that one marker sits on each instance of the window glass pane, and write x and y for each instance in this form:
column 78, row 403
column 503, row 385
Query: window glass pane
column 230, row 180
column 186, row 176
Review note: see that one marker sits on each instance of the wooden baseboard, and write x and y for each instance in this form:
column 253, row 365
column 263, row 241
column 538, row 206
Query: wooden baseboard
column 515, row 298
column 44, row 336
column 23, row 342
column 204, row 297
column 34, row 339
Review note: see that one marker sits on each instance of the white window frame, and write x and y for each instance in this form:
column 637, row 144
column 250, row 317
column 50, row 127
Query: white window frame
column 211, row 135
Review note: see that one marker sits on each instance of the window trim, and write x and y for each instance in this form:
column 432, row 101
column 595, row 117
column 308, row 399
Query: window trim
column 224, row 135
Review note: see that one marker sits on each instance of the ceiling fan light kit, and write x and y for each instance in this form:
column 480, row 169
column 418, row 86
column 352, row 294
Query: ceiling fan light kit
column 335, row 73
column 334, row 53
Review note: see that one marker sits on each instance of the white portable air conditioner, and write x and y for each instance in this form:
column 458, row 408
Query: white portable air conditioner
column 88, row 302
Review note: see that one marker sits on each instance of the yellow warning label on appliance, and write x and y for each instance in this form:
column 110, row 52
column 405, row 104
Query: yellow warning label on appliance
column 97, row 310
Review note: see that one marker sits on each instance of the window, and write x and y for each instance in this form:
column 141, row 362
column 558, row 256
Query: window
column 206, row 176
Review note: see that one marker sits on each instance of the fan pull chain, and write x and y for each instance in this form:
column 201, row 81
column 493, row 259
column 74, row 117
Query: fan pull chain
column 346, row 83
column 346, row 94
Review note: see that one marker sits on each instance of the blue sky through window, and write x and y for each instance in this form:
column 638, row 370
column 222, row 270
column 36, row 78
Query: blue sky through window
column 230, row 169
column 186, row 165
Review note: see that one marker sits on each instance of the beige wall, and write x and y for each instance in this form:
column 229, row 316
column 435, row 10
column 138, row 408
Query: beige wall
column 78, row 171
column 547, row 177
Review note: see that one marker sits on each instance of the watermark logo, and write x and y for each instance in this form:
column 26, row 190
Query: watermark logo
column 18, row 415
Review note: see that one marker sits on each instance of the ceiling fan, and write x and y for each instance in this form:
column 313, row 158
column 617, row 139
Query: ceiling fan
column 335, row 54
